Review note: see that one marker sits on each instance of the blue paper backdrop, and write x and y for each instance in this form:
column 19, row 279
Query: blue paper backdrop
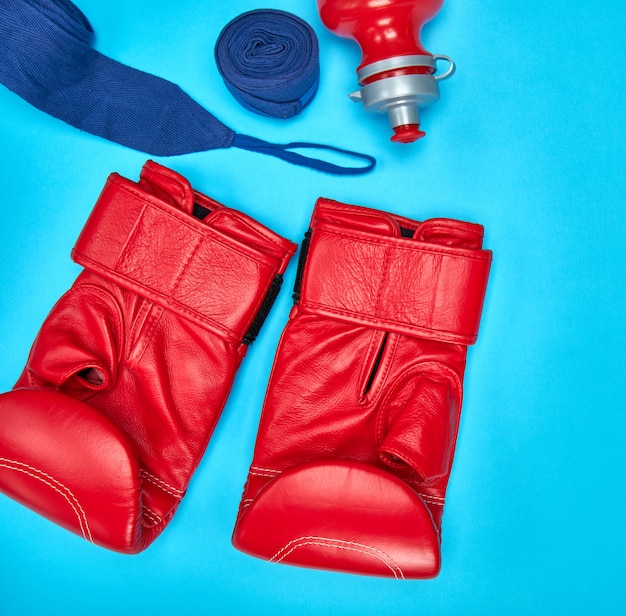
column 528, row 139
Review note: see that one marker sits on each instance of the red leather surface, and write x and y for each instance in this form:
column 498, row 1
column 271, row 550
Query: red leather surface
column 443, row 302
column 61, row 457
column 366, row 393
column 147, row 245
column 130, row 371
column 329, row 500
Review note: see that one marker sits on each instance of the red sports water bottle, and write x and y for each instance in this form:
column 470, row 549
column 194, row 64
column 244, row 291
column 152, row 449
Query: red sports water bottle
column 397, row 75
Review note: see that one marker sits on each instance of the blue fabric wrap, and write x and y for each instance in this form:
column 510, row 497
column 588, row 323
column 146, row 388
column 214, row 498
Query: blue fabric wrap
column 47, row 58
column 269, row 61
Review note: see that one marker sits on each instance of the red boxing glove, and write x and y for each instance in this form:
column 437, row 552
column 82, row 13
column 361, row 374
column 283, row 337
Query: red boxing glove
column 359, row 425
column 131, row 369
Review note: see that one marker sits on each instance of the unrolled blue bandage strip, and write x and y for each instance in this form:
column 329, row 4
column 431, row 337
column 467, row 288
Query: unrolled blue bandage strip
column 46, row 57
column 269, row 61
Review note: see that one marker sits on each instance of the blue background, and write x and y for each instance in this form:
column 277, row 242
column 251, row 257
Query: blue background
column 528, row 139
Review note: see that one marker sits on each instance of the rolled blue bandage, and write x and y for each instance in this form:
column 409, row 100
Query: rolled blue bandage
column 269, row 61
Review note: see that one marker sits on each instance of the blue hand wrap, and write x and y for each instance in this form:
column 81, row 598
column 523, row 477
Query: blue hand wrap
column 46, row 57
column 269, row 61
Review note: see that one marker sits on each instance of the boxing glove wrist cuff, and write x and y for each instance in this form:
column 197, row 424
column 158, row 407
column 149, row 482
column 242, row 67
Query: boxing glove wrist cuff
column 152, row 248
column 405, row 285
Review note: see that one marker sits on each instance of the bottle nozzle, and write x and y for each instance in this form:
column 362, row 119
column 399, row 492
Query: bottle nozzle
column 407, row 133
column 399, row 86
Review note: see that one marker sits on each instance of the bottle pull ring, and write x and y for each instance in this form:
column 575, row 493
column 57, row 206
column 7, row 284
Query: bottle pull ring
column 451, row 67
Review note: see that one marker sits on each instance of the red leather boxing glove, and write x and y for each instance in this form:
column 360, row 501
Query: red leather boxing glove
column 131, row 369
column 360, row 420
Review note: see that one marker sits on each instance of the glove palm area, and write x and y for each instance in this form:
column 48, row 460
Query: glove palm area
column 358, row 430
column 129, row 373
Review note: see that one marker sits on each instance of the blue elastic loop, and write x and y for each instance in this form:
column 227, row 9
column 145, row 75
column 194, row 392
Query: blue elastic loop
column 269, row 61
column 283, row 151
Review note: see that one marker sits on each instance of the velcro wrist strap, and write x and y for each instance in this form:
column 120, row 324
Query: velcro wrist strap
column 175, row 260
column 402, row 285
